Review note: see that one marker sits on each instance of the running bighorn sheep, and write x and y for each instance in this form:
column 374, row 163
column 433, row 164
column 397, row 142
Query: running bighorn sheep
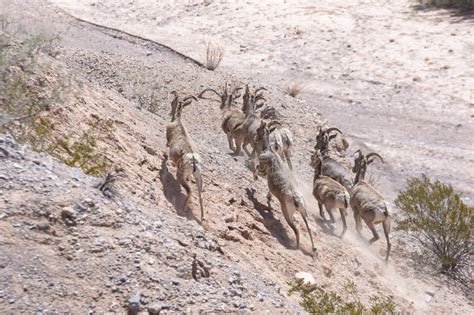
column 232, row 118
column 183, row 152
column 282, row 184
column 280, row 139
column 331, row 167
column 249, row 127
column 329, row 192
column 340, row 142
column 367, row 203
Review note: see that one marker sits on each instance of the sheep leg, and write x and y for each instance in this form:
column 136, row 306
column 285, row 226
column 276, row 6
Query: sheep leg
column 321, row 210
column 288, row 160
column 244, row 146
column 331, row 215
column 343, row 217
column 386, row 230
column 304, row 214
column 230, row 140
column 291, row 223
column 269, row 199
column 358, row 222
column 238, row 145
column 186, row 186
column 374, row 232
column 198, row 177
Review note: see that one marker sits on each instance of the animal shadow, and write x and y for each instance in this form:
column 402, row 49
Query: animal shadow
column 172, row 190
column 326, row 226
column 274, row 226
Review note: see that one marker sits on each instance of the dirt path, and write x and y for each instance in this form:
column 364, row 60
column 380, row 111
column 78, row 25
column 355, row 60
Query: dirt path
column 395, row 79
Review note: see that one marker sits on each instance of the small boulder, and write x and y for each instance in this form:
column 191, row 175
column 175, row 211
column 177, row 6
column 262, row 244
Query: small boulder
column 134, row 303
column 308, row 279
column 68, row 215
column 154, row 309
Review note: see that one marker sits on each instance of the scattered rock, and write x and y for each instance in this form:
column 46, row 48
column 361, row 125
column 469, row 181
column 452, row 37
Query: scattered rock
column 308, row 279
column 150, row 150
column 44, row 226
column 134, row 303
column 154, row 309
column 68, row 215
column 229, row 219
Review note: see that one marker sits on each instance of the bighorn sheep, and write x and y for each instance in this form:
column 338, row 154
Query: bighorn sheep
column 281, row 139
column 183, row 152
column 282, row 184
column 249, row 127
column 325, row 135
column 232, row 118
column 329, row 192
column 367, row 203
column 331, row 167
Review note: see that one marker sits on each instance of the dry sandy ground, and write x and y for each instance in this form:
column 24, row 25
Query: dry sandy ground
column 112, row 64
column 395, row 79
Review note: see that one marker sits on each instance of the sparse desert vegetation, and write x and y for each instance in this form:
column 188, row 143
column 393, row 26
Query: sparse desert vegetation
column 294, row 88
column 318, row 300
column 435, row 216
column 214, row 55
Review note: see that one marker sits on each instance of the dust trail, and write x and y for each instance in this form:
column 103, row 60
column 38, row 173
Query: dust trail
column 369, row 258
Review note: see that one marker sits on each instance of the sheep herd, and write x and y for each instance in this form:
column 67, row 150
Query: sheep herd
column 334, row 186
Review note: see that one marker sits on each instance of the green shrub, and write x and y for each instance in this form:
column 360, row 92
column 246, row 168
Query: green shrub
column 319, row 301
column 452, row 3
column 27, row 95
column 25, row 92
column 436, row 217
column 81, row 153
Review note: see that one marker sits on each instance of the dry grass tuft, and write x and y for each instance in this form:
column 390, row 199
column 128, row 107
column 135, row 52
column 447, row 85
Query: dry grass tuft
column 214, row 55
column 294, row 88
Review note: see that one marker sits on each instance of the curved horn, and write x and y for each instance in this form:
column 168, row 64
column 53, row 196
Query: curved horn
column 324, row 153
column 374, row 154
column 236, row 89
column 189, row 97
column 333, row 129
column 274, row 123
column 174, row 105
column 260, row 89
column 208, row 90
column 358, row 151
column 259, row 97
column 186, row 103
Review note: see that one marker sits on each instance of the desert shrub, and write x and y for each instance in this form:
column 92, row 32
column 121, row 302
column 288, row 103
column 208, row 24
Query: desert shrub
column 294, row 88
column 382, row 305
column 147, row 97
column 214, row 55
column 81, row 153
column 27, row 95
column 25, row 92
column 320, row 301
column 452, row 3
column 82, row 150
column 436, row 217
